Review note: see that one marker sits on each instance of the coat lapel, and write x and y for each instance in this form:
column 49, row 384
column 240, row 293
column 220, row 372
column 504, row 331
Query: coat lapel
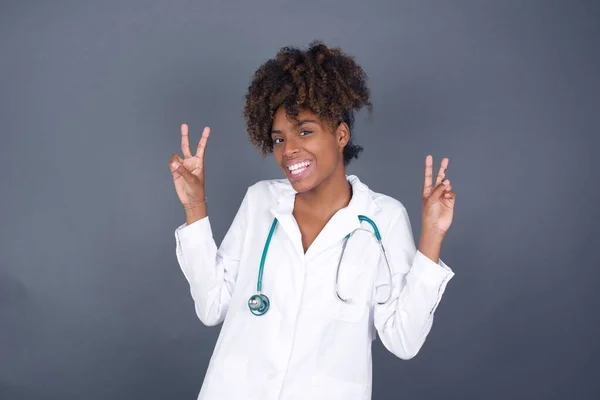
column 346, row 219
column 282, row 208
column 342, row 223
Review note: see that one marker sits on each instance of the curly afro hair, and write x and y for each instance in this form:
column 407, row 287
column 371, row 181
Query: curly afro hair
column 322, row 80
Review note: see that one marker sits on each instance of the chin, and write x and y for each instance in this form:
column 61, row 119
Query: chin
column 301, row 187
column 302, row 184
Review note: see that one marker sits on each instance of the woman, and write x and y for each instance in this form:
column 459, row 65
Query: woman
column 308, row 334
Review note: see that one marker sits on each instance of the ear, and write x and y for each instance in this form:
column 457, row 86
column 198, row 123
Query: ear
column 343, row 135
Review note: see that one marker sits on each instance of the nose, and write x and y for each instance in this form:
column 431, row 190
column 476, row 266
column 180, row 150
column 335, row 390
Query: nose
column 290, row 147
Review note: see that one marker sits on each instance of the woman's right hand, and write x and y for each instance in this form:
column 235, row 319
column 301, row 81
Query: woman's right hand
column 188, row 173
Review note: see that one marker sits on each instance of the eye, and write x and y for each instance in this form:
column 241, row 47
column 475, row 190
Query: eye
column 277, row 140
column 305, row 131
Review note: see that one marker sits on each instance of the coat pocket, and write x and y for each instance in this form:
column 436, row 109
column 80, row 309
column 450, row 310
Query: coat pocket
column 354, row 285
column 226, row 378
column 327, row 387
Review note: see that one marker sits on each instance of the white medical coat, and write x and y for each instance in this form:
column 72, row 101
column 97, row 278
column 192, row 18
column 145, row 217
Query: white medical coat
column 309, row 345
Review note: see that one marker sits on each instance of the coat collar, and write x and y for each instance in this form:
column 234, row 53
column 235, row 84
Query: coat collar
column 342, row 223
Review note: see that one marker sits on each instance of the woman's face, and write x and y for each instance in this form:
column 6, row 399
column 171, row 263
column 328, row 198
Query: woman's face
column 306, row 149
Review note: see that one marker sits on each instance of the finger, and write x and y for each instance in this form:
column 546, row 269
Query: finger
column 185, row 141
column 442, row 171
column 428, row 175
column 202, row 144
column 175, row 158
column 450, row 196
column 440, row 190
column 183, row 171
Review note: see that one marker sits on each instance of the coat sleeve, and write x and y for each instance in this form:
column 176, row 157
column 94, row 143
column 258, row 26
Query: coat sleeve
column 210, row 271
column 405, row 320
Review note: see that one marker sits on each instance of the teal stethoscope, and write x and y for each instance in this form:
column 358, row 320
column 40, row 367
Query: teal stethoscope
column 259, row 303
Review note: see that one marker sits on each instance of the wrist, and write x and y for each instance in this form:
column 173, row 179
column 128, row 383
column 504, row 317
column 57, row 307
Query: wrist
column 432, row 234
column 196, row 212
column 193, row 206
column 430, row 244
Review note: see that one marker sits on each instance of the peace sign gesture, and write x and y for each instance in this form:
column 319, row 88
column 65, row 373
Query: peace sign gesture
column 188, row 173
column 438, row 200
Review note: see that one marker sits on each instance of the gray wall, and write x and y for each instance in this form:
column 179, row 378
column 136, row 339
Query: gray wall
column 92, row 302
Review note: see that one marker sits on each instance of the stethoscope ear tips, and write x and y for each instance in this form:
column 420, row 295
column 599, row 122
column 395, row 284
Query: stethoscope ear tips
column 259, row 304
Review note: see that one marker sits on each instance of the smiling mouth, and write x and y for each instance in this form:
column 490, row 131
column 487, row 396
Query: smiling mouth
column 297, row 170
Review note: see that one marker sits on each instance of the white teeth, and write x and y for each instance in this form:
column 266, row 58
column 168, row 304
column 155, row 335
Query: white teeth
column 298, row 166
column 297, row 171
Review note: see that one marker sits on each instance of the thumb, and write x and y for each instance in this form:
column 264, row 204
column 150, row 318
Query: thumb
column 183, row 171
column 440, row 189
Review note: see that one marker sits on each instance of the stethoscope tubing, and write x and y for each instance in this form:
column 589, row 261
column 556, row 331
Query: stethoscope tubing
column 259, row 303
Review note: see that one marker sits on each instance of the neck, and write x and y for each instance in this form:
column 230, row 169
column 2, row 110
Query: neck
column 332, row 194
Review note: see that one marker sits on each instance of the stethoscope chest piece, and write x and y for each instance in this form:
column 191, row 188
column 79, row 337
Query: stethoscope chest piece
column 259, row 304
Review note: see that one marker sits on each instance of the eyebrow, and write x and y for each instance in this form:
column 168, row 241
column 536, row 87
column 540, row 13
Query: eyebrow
column 304, row 121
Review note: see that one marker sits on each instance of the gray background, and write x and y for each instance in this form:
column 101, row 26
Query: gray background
column 92, row 302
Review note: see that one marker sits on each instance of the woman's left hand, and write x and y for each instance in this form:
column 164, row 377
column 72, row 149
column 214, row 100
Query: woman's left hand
column 438, row 199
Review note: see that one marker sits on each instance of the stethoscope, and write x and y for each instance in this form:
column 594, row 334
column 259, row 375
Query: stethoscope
column 259, row 303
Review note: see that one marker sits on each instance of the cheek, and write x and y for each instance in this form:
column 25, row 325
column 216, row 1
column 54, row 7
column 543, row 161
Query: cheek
column 277, row 155
column 328, row 156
